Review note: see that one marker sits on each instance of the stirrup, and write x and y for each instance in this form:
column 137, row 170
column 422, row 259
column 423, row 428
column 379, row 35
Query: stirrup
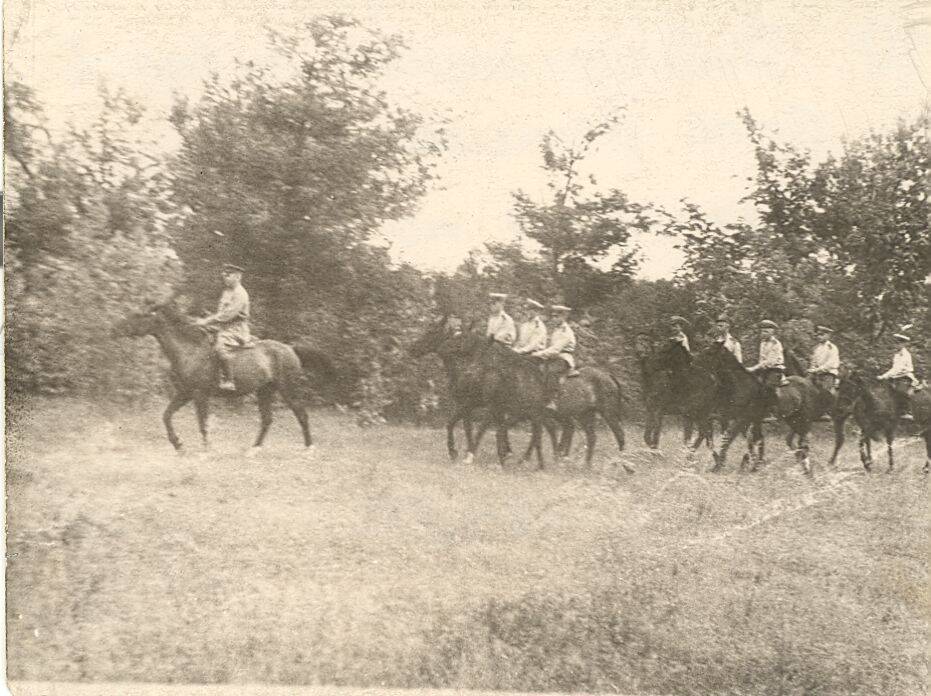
column 227, row 385
column 906, row 417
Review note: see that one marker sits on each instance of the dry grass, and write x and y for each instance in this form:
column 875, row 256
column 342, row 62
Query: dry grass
column 379, row 563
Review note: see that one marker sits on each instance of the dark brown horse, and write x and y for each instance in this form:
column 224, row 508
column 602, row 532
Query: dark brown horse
column 872, row 405
column 672, row 386
column 463, row 381
column 485, row 375
column 514, row 386
column 264, row 369
column 744, row 401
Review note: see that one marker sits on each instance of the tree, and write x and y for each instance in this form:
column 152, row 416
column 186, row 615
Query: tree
column 289, row 176
column 861, row 219
column 75, row 266
column 289, row 172
column 584, row 234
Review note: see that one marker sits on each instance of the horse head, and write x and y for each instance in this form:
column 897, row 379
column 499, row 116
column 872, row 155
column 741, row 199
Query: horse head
column 675, row 357
column 432, row 338
column 850, row 388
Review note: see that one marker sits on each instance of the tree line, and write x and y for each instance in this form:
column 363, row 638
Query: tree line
column 293, row 173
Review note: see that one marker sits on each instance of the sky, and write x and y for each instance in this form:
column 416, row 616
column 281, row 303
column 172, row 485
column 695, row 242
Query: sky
column 815, row 72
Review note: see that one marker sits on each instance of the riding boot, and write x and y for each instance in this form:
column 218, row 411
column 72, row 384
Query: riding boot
column 904, row 408
column 226, row 383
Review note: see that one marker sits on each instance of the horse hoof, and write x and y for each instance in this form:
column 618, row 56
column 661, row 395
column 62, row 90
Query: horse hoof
column 252, row 452
column 469, row 458
column 310, row 451
column 453, row 455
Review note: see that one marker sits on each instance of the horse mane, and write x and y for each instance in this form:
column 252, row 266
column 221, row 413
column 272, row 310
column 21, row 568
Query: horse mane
column 729, row 359
column 182, row 324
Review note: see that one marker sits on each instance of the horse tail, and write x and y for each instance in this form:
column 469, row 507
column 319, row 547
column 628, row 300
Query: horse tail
column 315, row 360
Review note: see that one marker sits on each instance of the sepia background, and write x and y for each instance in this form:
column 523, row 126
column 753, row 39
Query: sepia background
column 373, row 166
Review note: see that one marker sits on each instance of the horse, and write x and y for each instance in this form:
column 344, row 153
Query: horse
column 666, row 376
column 515, row 382
column 477, row 368
column 263, row 369
column 511, row 388
column 739, row 400
column 872, row 405
column 465, row 387
column 581, row 397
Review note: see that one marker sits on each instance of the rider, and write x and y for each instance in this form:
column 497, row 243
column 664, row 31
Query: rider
column 902, row 374
column 560, row 361
column 231, row 321
column 678, row 324
column 532, row 335
column 825, row 361
column 723, row 336
column 500, row 325
column 771, row 361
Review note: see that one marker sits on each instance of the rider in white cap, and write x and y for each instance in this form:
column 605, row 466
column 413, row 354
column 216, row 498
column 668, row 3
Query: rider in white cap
column 558, row 354
column 902, row 375
column 231, row 321
column 500, row 325
column 825, row 361
column 772, row 361
column 532, row 334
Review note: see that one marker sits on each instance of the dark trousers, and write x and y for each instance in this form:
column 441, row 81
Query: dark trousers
column 901, row 391
column 554, row 372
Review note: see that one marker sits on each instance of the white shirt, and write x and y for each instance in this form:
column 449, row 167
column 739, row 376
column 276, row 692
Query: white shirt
column 562, row 341
column 733, row 345
column 770, row 355
column 531, row 337
column 680, row 337
column 825, row 358
column 501, row 328
column 901, row 365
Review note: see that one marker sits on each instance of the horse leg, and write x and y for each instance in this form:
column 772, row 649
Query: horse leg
column 687, row 427
column 729, row 434
column 177, row 402
column 802, row 454
column 550, row 426
column 451, row 421
column 536, row 441
column 501, row 441
column 294, row 402
column 890, row 436
column 617, row 428
column 476, row 441
column 838, row 440
column 865, row 455
column 264, row 397
column 927, row 465
column 201, row 405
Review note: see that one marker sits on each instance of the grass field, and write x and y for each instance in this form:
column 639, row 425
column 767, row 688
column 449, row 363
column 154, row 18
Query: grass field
column 378, row 562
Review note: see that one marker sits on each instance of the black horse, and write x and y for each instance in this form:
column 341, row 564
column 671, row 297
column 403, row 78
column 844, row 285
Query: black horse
column 671, row 386
column 745, row 401
column 486, row 375
column 466, row 356
column 872, row 404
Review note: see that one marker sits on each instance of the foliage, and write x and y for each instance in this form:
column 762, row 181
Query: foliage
column 84, row 247
column 584, row 234
column 290, row 177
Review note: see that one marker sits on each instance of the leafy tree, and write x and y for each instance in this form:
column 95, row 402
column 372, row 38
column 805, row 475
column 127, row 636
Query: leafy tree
column 74, row 266
column 861, row 219
column 584, row 234
column 290, row 176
